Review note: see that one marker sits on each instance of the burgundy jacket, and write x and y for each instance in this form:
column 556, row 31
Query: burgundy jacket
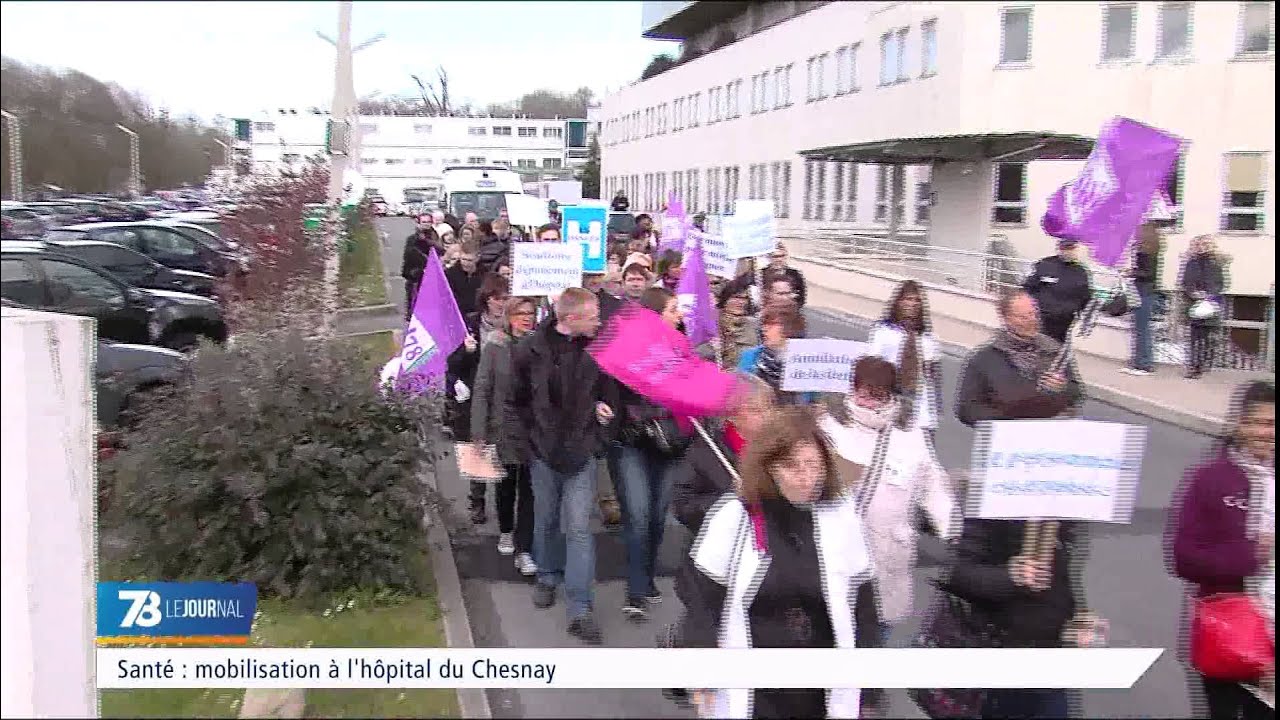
column 1211, row 548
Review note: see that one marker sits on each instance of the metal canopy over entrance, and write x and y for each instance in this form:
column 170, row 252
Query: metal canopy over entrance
column 1006, row 147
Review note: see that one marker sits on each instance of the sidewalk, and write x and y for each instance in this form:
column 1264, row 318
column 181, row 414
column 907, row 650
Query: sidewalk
column 1196, row 405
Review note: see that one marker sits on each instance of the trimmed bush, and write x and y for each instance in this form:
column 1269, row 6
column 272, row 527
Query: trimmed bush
column 278, row 462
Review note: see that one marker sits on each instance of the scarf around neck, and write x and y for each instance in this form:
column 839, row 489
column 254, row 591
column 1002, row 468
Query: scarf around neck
column 1032, row 358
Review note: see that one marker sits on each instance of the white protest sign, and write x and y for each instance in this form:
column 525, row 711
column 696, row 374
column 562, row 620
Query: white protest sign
column 672, row 229
column 820, row 364
column 1056, row 470
column 527, row 210
column 751, row 230
column 713, row 255
column 545, row 268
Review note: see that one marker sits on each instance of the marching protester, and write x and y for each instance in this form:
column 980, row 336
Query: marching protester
column 778, row 268
column 548, row 233
column 490, row 424
column 1017, row 575
column 780, row 292
column 766, row 361
column 558, row 399
column 1223, row 545
column 491, row 297
column 1061, row 288
column 1145, row 274
column 669, row 265
column 904, row 338
column 894, row 470
column 496, row 248
column 464, row 276
column 637, row 276
column 802, row 579
column 417, row 247
column 739, row 330
column 1202, row 283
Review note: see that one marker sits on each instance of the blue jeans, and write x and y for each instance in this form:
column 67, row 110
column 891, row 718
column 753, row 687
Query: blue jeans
column 1143, row 353
column 643, row 484
column 563, row 546
column 1029, row 704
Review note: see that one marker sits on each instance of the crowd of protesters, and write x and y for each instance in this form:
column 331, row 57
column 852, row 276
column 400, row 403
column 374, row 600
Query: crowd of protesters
column 828, row 490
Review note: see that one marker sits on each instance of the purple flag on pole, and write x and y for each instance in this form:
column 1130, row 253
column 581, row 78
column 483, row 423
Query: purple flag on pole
column 1104, row 206
column 694, row 295
column 434, row 331
column 675, row 225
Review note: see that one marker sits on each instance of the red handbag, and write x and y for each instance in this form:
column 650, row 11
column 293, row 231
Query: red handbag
column 1230, row 639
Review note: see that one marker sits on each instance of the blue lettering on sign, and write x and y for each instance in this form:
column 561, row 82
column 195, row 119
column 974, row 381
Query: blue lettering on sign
column 587, row 226
column 1042, row 460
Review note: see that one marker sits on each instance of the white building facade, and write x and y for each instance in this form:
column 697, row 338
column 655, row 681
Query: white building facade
column 952, row 122
column 399, row 152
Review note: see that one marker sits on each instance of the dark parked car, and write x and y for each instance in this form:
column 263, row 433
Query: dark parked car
column 38, row 277
column 135, row 268
column 158, row 241
column 124, row 372
column 21, row 222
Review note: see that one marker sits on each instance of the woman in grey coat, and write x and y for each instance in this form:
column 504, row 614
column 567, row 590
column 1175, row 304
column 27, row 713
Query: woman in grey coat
column 490, row 427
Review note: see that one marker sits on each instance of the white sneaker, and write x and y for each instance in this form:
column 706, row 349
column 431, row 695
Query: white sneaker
column 526, row 565
column 506, row 544
column 1135, row 371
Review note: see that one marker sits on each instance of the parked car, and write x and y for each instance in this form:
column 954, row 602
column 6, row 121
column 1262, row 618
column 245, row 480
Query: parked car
column 379, row 206
column 125, row 372
column 135, row 268
column 66, row 213
column 21, row 222
column 39, row 277
column 158, row 241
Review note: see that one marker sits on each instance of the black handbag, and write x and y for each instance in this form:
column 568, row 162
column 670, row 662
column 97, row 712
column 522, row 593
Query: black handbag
column 1117, row 306
column 954, row 623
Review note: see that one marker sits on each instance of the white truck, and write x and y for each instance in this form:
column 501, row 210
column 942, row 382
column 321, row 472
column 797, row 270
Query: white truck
column 481, row 189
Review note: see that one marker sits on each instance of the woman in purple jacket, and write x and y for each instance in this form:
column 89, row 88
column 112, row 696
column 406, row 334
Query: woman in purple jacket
column 1224, row 535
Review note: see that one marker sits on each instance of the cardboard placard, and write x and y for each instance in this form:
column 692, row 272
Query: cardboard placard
column 527, row 210
column 547, row 268
column 751, row 230
column 820, row 364
column 587, row 226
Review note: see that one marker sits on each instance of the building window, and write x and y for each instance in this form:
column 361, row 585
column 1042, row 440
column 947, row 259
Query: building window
column 1119, row 32
column 1242, row 200
column 786, row 84
column 368, row 128
column 264, row 127
column 852, row 72
column 551, row 163
column 691, row 186
column 902, row 55
column 1010, row 204
column 1015, row 36
column 475, row 160
column 1175, row 30
column 888, row 58
column 851, row 192
column 779, row 100
column 527, row 132
column 823, row 74
column 1257, row 34
column 775, row 184
column 811, row 75
column 928, row 48
column 552, row 132
column 368, row 161
column 885, row 175
column 502, row 130
column 924, row 200
column 842, row 70
column 810, row 172
column 755, row 94
column 394, row 161
column 695, row 109
column 526, row 164
column 424, row 128
column 820, row 192
column 785, row 212
column 474, row 130
column 731, row 99
column 422, row 161
column 735, row 175
column 882, row 193
column 837, row 190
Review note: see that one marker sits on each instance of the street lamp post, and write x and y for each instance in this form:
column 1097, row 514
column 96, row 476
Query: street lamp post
column 344, row 108
column 15, row 153
column 135, row 166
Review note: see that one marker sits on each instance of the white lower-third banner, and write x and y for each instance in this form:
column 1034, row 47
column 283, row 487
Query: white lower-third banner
column 579, row 668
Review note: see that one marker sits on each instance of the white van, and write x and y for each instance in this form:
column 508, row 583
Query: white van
column 481, row 189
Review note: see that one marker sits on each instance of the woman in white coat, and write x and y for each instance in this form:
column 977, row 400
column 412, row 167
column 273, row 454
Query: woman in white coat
column 783, row 564
column 899, row 474
column 905, row 339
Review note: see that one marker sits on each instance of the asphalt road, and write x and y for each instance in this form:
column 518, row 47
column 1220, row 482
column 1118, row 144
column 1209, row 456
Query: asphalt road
column 1125, row 579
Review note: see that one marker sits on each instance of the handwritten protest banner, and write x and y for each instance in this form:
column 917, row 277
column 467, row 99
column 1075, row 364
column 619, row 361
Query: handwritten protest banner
column 585, row 225
column 1056, row 469
column 820, row 364
column 477, row 464
column 751, row 230
column 527, row 210
column 545, row 268
column 713, row 254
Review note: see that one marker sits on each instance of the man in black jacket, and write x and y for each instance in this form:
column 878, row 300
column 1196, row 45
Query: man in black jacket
column 417, row 248
column 1060, row 286
column 560, row 397
column 495, row 249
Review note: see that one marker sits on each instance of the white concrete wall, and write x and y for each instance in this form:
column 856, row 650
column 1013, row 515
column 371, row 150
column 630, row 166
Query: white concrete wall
column 1216, row 100
column 49, row 553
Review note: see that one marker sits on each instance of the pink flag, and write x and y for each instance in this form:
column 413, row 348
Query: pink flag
column 659, row 363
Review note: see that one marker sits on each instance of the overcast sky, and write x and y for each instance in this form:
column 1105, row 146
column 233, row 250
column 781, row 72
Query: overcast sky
column 235, row 58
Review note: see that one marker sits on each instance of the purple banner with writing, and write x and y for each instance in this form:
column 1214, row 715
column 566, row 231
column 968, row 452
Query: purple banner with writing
column 434, row 331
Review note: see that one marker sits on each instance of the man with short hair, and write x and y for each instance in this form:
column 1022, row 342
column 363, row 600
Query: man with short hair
column 465, row 275
column 1061, row 287
column 549, row 233
column 495, row 248
column 417, row 248
column 559, row 399
column 637, row 276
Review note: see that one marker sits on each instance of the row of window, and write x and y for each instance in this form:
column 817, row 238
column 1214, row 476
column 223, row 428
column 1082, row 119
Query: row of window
column 522, row 163
column 426, row 128
column 831, row 191
column 1256, row 35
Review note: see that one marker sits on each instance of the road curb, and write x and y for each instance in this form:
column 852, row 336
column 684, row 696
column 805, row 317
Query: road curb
column 366, row 311
column 1110, row 396
column 472, row 702
column 274, row 703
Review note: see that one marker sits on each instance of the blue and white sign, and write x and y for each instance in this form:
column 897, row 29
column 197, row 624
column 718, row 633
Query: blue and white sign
column 1056, row 469
column 587, row 226
column 173, row 611
column 751, row 230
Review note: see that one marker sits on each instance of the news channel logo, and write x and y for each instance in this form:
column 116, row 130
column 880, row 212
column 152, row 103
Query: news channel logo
column 175, row 613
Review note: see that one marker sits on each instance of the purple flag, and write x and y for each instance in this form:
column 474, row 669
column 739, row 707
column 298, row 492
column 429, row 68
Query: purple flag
column 675, row 225
column 694, row 295
column 434, row 331
column 1104, row 206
